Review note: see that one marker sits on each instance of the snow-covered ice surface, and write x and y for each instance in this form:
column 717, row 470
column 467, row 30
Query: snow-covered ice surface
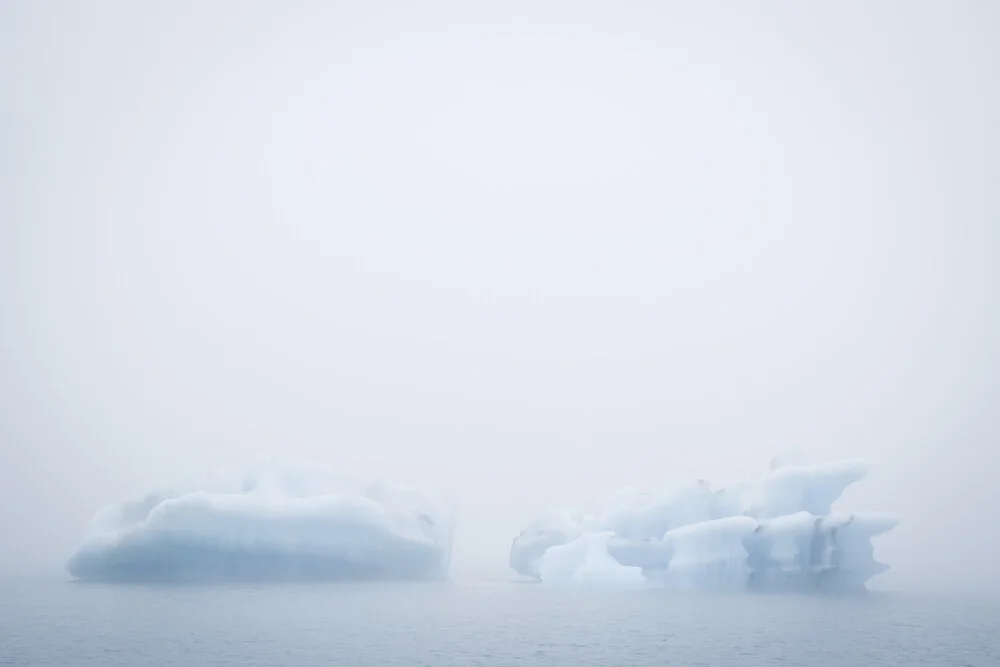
column 777, row 534
column 272, row 521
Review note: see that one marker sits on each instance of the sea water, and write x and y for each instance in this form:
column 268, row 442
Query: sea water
column 57, row 622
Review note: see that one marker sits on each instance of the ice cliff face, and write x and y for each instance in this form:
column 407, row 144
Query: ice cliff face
column 776, row 534
column 273, row 521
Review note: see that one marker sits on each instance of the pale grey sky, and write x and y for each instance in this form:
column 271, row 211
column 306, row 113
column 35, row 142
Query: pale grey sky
column 520, row 253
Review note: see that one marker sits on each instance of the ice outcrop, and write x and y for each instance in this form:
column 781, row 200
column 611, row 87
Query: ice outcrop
column 586, row 559
column 777, row 534
column 272, row 521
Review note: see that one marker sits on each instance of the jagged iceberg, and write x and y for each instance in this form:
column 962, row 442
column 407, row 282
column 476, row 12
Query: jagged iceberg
column 776, row 534
column 272, row 521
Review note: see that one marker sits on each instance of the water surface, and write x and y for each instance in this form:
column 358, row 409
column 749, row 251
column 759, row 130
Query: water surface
column 498, row 623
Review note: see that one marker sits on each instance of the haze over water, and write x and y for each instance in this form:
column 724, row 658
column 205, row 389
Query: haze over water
column 521, row 255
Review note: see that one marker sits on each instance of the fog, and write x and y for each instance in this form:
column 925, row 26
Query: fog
column 518, row 254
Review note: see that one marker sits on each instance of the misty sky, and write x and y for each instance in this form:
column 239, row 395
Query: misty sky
column 521, row 254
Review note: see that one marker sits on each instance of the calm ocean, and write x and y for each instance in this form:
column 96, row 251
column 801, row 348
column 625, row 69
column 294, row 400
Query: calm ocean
column 53, row 622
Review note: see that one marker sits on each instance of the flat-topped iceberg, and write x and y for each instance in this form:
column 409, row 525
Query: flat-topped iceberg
column 779, row 533
column 272, row 521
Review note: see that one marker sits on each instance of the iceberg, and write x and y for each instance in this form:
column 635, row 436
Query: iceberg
column 271, row 521
column 587, row 560
column 779, row 533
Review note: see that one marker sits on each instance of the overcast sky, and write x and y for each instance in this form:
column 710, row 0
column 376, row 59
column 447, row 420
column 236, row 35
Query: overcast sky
column 522, row 254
